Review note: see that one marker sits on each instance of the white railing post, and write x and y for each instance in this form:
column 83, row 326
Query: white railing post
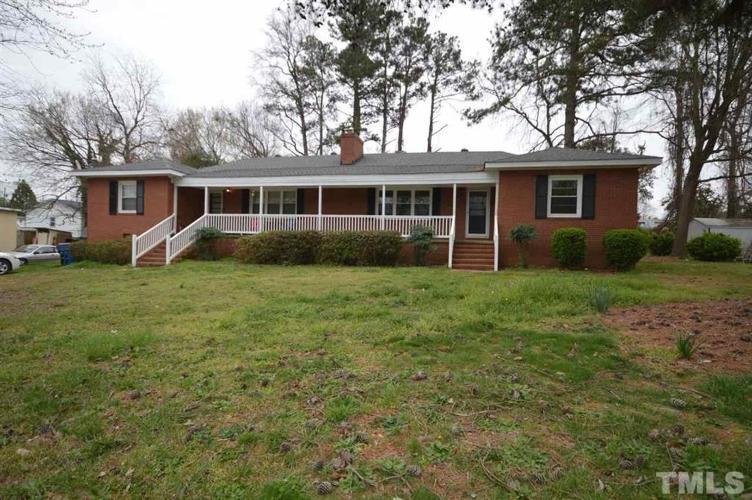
column 383, row 205
column 261, row 209
column 134, row 250
column 318, row 222
column 454, row 224
column 167, row 250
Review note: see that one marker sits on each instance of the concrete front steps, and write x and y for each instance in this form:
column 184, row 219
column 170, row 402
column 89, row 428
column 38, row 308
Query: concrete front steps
column 155, row 257
column 473, row 255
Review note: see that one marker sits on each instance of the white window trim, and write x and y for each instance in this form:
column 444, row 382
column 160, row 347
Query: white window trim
column 120, row 197
column 266, row 201
column 578, row 213
column 377, row 204
column 221, row 193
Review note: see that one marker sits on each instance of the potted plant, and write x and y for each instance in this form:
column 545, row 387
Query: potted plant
column 522, row 235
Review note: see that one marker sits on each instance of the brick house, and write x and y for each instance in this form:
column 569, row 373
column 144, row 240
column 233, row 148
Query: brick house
column 470, row 199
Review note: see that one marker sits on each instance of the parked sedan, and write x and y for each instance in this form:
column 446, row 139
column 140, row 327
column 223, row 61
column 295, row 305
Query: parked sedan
column 9, row 263
column 34, row 253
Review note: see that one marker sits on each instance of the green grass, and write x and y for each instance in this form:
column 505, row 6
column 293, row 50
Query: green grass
column 223, row 380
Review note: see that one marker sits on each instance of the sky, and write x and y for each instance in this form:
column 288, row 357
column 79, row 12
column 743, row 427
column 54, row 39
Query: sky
column 204, row 53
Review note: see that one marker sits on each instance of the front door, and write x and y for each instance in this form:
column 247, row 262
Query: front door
column 477, row 213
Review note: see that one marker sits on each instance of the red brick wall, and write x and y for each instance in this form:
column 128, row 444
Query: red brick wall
column 615, row 208
column 103, row 226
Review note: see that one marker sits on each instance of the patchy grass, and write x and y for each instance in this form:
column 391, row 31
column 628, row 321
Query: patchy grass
column 234, row 381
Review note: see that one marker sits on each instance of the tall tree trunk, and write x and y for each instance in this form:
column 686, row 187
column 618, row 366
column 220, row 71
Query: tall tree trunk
column 356, row 108
column 384, row 108
column 431, row 113
column 677, row 148
column 401, row 119
column 572, row 82
column 686, row 207
column 732, row 193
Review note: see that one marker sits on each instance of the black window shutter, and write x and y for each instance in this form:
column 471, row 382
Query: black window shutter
column 113, row 197
column 301, row 201
column 588, row 196
column 245, row 201
column 140, row 197
column 436, row 201
column 541, row 197
column 371, row 201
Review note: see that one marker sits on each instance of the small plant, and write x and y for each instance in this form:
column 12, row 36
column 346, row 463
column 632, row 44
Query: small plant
column 686, row 344
column 206, row 248
column 522, row 235
column 569, row 245
column 661, row 243
column 625, row 248
column 714, row 247
column 422, row 239
column 601, row 298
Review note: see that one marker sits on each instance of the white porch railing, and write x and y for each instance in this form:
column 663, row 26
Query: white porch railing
column 142, row 243
column 443, row 226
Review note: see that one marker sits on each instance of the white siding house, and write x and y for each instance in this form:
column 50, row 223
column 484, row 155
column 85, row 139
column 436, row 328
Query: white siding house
column 738, row 228
column 51, row 222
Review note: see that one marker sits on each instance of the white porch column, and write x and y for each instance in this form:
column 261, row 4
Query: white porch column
column 206, row 200
column 454, row 225
column 174, row 208
column 496, row 224
column 383, row 206
column 261, row 208
column 321, row 196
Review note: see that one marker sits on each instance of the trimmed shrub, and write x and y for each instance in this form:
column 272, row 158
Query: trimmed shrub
column 522, row 235
column 367, row 248
column 661, row 243
column 206, row 244
column 422, row 239
column 279, row 247
column 106, row 251
column 625, row 248
column 716, row 247
column 569, row 245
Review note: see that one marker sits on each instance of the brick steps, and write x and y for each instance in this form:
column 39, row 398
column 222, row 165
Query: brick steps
column 473, row 256
column 157, row 256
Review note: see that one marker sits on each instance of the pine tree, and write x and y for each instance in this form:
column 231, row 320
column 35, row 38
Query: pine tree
column 23, row 197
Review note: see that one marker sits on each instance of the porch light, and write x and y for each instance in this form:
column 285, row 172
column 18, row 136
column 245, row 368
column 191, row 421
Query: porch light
column 228, row 190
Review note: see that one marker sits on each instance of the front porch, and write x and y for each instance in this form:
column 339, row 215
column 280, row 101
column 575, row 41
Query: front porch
column 454, row 213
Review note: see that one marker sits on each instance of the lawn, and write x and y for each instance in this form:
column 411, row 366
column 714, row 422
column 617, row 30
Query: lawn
column 231, row 381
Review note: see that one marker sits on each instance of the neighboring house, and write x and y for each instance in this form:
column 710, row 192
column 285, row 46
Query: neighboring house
column 738, row 228
column 453, row 193
column 8, row 218
column 52, row 222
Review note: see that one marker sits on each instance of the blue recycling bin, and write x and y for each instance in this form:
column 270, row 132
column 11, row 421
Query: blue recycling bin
column 65, row 254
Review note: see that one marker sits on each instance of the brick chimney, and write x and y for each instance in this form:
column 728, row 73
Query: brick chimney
column 350, row 148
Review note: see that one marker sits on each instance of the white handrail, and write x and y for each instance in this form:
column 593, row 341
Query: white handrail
column 152, row 237
column 184, row 238
column 496, row 242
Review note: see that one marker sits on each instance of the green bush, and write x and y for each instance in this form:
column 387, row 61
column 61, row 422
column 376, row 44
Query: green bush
column 522, row 235
column 661, row 243
column 569, row 245
column 422, row 239
column 206, row 245
column 367, row 248
column 625, row 248
column 106, row 251
column 716, row 247
column 279, row 247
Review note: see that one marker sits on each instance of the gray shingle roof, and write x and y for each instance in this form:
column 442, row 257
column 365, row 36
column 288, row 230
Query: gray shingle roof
column 569, row 154
column 159, row 164
column 383, row 163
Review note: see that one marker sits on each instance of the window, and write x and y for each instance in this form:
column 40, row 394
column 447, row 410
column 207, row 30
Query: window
column 215, row 202
column 564, row 195
column 276, row 201
column 52, row 222
column 127, row 193
column 405, row 202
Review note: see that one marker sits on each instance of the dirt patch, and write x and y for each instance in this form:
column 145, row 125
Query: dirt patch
column 723, row 329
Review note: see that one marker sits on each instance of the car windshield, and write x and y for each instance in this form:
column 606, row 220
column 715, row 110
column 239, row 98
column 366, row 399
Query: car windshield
column 27, row 248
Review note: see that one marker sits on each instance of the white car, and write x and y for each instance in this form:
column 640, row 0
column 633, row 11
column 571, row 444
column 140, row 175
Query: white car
column 34, row 253
column 9, row 263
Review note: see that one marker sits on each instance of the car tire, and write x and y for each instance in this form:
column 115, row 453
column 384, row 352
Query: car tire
column 5, row 267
